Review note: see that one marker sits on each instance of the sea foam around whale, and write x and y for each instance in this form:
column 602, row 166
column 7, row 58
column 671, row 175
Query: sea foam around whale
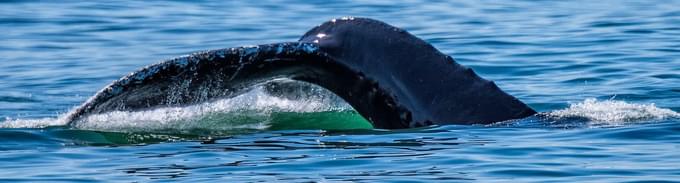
column 255, row 110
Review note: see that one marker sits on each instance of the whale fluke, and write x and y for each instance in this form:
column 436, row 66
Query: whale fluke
column 392, row 78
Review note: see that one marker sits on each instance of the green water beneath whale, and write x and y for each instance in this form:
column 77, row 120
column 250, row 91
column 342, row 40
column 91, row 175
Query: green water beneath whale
column 603, row 74
column 337, row 121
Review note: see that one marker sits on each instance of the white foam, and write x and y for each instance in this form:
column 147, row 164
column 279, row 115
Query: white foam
column 613, row 112
column 251, row 110
column 32, row 123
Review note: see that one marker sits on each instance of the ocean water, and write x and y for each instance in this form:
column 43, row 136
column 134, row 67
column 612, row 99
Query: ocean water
column 604, row 74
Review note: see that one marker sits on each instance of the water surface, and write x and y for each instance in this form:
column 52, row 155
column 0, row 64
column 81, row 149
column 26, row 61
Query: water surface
column 604, row 73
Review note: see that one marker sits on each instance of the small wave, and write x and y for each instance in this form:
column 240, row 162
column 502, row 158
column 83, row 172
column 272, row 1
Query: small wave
column 258, row 109
column 32, row 123
column 250, row 111
column 613, row 112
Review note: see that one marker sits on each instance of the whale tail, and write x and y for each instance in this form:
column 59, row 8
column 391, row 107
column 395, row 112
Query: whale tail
column 391, row 77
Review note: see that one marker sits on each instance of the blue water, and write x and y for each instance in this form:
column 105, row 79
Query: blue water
column 607, row 73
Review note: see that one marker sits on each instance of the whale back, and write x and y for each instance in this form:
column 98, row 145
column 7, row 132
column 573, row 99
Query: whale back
column 429, row 85
column 391, row 77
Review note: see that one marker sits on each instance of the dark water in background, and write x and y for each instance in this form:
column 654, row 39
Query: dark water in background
column 608, row 72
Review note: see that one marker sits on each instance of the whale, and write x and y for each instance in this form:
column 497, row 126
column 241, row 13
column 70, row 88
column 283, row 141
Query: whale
column 392, row 78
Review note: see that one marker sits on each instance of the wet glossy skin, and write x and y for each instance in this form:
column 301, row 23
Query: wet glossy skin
column 392, row 78
column 427, row 86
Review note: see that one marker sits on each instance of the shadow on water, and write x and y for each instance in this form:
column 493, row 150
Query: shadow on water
column 267, row 153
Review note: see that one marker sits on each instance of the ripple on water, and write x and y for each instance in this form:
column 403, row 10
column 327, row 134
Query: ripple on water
column 56, row 54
